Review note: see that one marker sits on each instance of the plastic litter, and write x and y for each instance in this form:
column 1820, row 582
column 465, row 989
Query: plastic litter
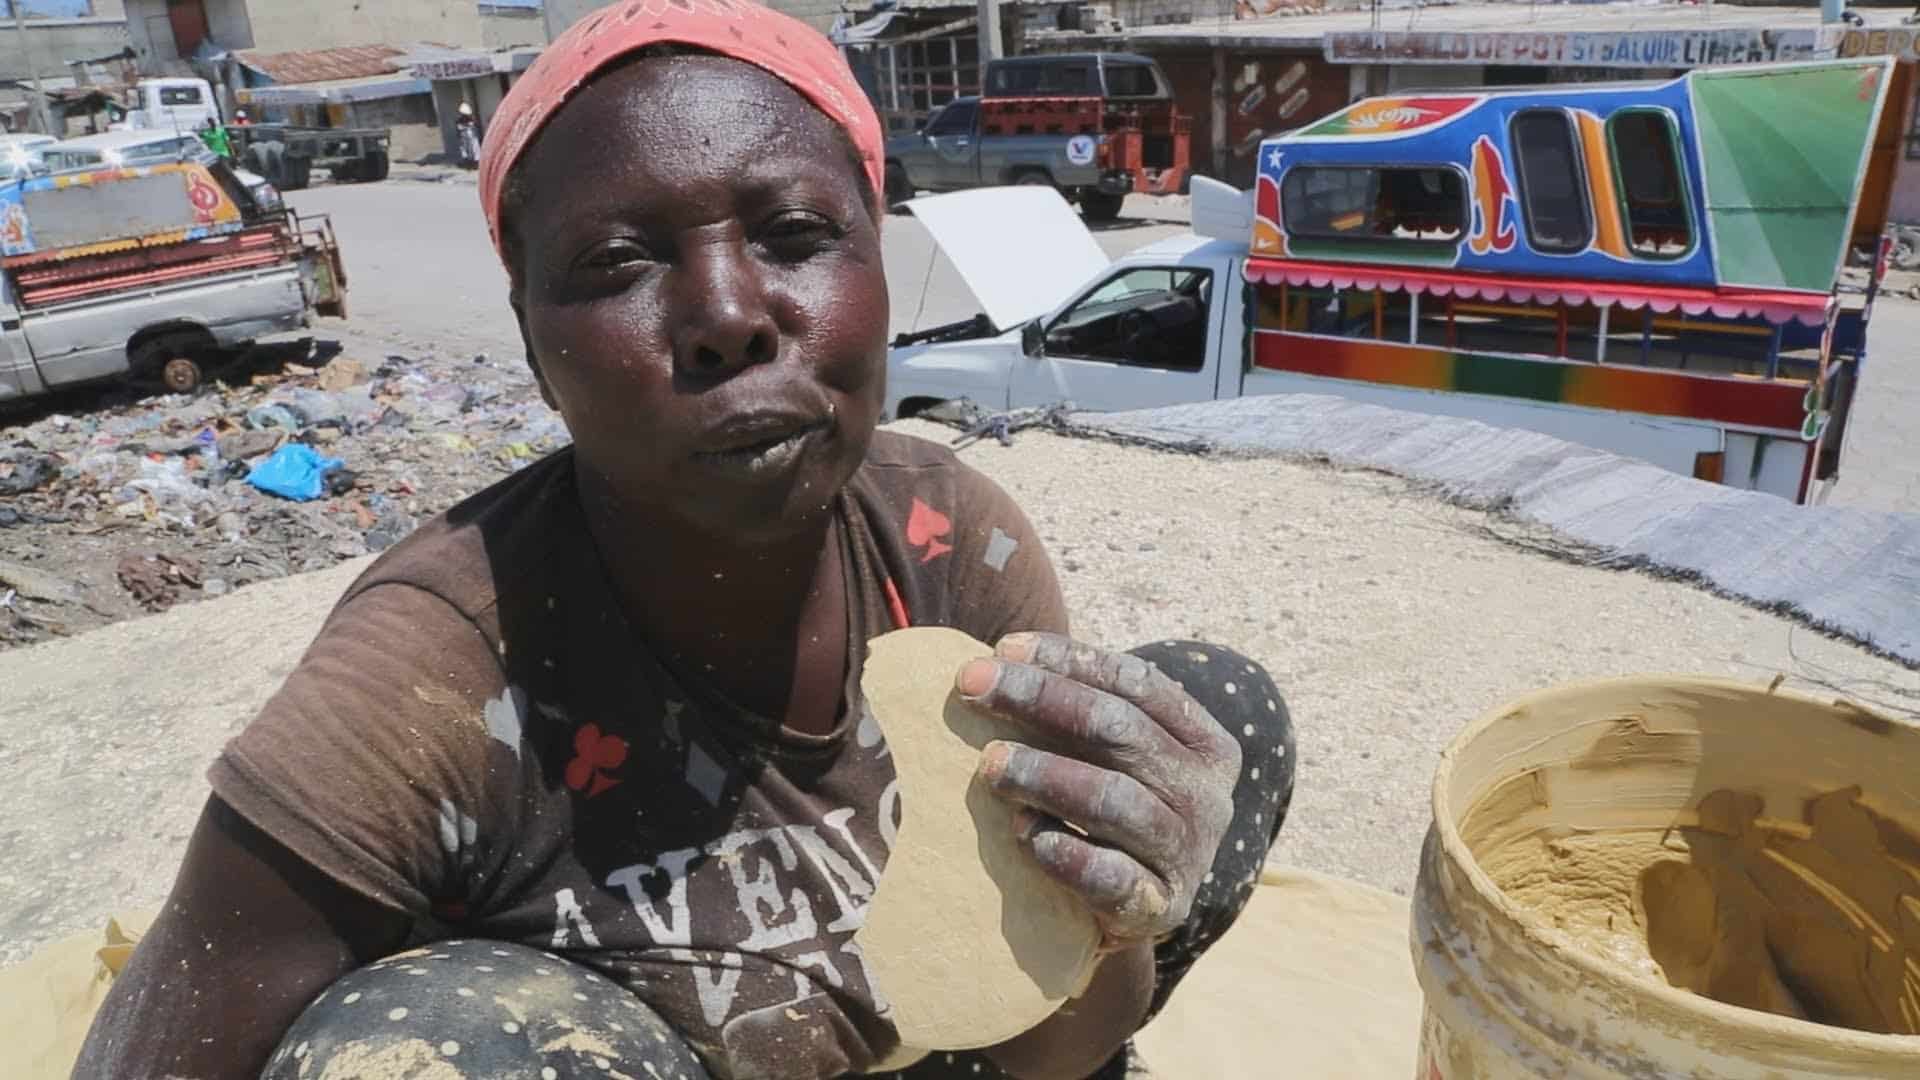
column 22, row 473
column 295, row 471
column 262, row 417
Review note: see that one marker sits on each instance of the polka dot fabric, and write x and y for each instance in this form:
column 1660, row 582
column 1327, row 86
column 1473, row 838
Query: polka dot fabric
column 789, row 49
column 480, row 1010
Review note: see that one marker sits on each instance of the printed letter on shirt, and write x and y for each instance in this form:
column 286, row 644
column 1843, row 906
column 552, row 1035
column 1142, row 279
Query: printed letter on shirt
column 677, row 927
column 567, row 917
column 762, row 889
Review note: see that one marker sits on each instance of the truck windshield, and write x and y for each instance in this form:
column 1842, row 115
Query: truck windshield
column 179, row 95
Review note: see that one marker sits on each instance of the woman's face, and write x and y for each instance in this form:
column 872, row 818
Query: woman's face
column 701, row 291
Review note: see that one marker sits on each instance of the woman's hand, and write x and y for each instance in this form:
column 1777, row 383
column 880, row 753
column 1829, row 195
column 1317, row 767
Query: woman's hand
column 1124, row 754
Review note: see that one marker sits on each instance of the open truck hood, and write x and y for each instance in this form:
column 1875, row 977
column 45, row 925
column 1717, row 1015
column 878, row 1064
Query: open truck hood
column 1022, row 250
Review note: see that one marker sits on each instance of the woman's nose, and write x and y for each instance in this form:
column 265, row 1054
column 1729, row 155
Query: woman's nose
column 722, row 321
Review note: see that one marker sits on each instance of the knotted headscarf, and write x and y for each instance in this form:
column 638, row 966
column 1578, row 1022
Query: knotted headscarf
column 786, row 48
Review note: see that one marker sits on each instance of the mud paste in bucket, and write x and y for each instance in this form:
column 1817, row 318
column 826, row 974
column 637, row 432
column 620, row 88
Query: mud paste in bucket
column 1672, row 877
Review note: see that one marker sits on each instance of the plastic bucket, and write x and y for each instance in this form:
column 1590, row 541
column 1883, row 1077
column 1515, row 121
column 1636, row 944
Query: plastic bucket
column 1602, row 851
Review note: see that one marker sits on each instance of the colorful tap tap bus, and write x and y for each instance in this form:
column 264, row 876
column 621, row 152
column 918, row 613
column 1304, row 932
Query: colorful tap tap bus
column 1653, row 268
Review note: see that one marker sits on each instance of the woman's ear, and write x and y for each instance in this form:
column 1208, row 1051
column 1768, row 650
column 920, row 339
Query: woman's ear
column 518, row 302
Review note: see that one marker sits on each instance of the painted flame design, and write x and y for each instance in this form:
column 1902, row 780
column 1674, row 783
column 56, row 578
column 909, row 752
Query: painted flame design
column 1399, row 116
column 1493, row 229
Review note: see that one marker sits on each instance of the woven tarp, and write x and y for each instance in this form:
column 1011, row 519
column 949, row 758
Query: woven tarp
column 1853, row 573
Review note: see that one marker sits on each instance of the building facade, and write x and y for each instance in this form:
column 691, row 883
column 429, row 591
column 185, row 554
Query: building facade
column 167, row 34
column 817, row 13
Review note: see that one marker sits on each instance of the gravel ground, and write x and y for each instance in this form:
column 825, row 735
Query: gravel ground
column 1388, row 618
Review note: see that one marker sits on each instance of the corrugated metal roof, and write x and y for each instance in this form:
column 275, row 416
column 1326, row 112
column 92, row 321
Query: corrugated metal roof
column 323, row 65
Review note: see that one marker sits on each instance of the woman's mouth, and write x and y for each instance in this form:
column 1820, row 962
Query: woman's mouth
column 761, row 448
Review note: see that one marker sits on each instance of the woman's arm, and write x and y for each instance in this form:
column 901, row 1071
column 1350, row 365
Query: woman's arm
column 250, row 935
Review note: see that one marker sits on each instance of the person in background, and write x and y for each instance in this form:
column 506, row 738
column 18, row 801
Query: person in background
column 240, row 119
column 579, row 779
column 214, row 134
column 467, row 126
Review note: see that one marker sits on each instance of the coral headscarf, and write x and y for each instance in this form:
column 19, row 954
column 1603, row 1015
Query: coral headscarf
column 785, row 47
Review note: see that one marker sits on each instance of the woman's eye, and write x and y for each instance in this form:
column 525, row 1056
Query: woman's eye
column 798, row 234
column 613, row 253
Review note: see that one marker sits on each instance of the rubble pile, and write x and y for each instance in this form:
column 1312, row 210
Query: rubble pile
column 120, row 504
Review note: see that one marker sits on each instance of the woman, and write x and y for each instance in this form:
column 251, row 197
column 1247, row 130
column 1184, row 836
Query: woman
column 592, row 746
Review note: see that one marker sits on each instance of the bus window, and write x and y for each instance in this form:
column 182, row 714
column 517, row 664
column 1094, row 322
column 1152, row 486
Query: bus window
column 1345, row 202
column 1552, row 190
column 1646, row 153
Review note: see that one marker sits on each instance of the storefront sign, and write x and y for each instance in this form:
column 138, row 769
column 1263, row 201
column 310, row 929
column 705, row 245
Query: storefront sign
column 1625, row 49
column 464, row 68
column 1901, row 42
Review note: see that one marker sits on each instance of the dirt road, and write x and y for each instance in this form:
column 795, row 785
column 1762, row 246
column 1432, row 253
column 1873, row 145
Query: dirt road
column 1389, row 620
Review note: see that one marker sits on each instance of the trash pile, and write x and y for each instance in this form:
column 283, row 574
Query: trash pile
column 133, row 504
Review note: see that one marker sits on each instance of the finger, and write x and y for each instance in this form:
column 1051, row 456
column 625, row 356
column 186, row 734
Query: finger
column 1069, row 716
column 1129, row 900
column 1123, row 675
column 1109, row 806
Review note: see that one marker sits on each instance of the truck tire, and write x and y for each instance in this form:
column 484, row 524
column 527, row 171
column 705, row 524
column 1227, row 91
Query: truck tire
column 1034, row 177
column 899, row 188
column 373, row 167
column 1099, row 206
column 297, row 169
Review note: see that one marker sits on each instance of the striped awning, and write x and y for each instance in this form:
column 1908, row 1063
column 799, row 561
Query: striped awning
column 1775, row 306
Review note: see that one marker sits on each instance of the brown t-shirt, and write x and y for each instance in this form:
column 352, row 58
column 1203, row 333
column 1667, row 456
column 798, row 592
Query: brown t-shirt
column 478, row 740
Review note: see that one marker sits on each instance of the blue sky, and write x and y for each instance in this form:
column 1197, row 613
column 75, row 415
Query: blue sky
column 49, row 7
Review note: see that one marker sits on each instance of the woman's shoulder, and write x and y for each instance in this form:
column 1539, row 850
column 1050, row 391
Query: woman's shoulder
column 505, row 533
column 897, row 460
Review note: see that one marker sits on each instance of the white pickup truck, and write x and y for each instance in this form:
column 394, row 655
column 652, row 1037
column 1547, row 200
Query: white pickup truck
column 1177, row 322
column 1061, row 322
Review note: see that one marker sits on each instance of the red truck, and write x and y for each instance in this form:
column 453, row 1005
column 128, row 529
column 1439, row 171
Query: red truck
column 1097, row 126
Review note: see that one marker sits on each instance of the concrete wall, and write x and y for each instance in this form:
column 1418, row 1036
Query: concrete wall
column 152, row 34
column 55, row 41
column 819, row 13
column 501, row 28
column 288, row 25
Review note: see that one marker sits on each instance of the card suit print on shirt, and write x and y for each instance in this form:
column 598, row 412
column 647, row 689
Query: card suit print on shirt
column 925, row 527
column 594, row 756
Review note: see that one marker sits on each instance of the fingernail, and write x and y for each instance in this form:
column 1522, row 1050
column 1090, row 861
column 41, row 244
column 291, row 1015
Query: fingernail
column 994, row 758
column 977, row 678
column 1017, row 647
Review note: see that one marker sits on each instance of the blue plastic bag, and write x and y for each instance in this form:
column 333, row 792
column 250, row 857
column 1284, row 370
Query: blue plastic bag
column 295, row 471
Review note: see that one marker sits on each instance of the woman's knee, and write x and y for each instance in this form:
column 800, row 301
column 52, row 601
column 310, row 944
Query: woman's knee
column 1243, row 697
column 489, row 1010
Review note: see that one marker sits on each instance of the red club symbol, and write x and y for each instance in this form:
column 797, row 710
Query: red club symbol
column 595, row 755
column 925, row 527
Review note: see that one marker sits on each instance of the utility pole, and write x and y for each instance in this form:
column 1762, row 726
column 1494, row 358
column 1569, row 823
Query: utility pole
column 33, row 68
column 989, row 20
